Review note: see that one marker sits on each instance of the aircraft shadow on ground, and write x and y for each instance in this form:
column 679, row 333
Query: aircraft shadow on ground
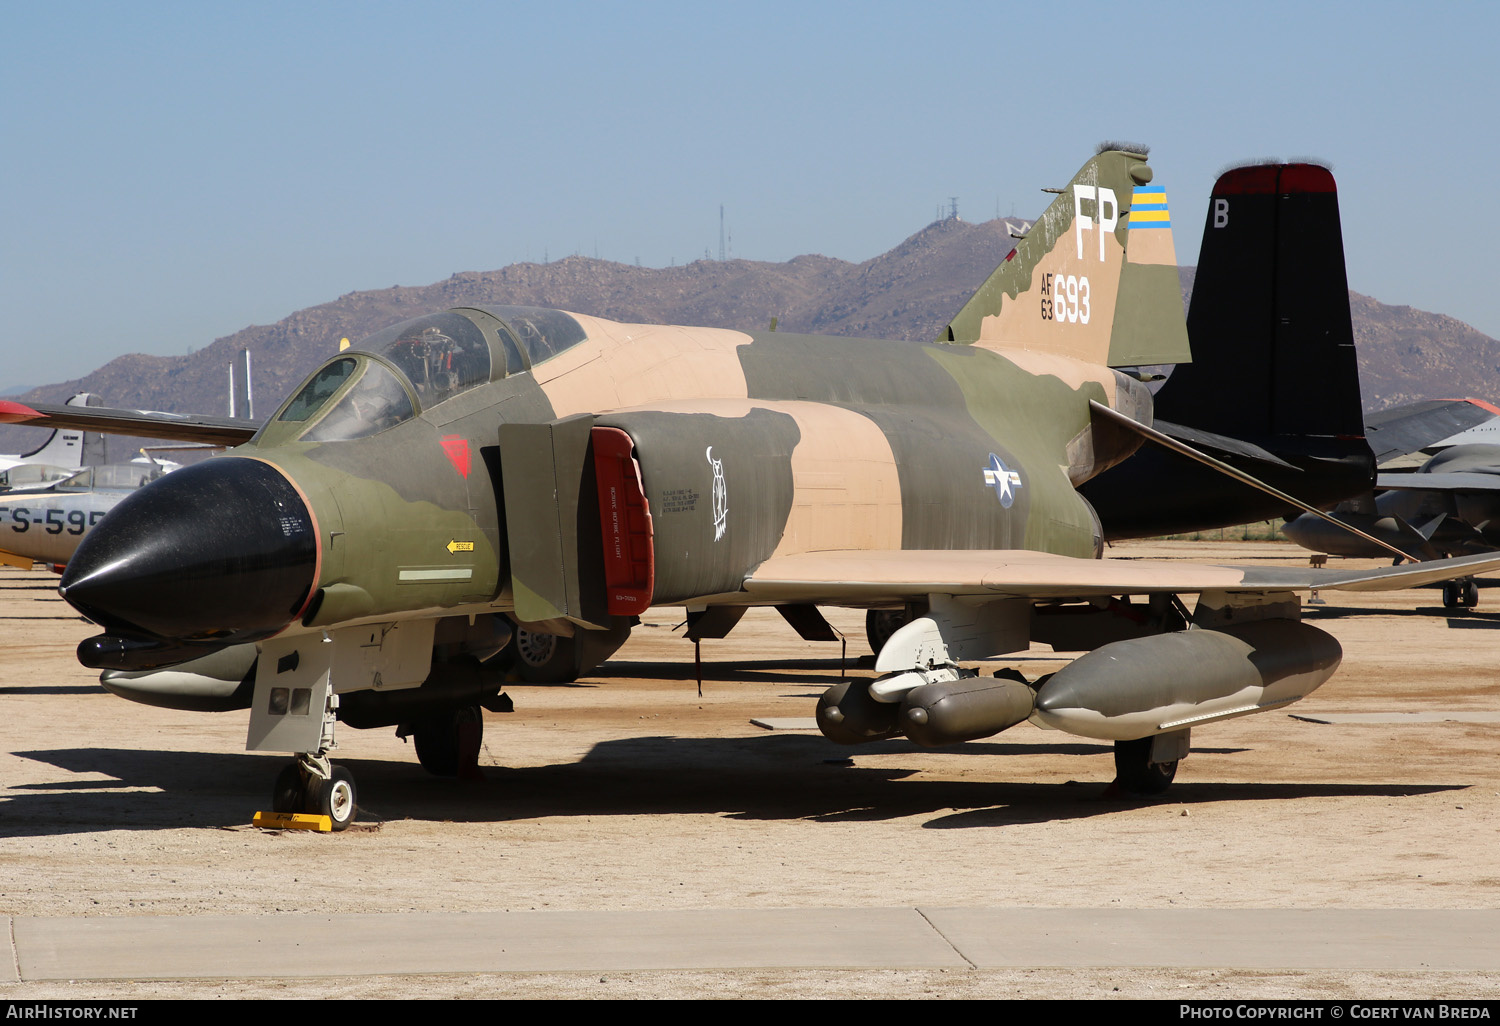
column 1476, row 617
column 1473, row 621
column 1334, row 609
column 27, row 619
column 52, row 689
column 821, row 672
column 770, row 778
column 753, row 671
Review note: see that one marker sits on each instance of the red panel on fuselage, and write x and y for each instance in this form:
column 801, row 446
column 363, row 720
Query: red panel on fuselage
column 625, row 522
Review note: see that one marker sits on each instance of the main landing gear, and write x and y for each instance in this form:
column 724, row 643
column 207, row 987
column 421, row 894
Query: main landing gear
column 545, row 658
column 1146, row 765
column 880, row 624
column 1136, row 773
column 448, row 742
column 1461, row 594
column 315, row 786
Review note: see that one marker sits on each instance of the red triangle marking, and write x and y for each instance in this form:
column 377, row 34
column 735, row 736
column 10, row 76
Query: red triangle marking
column 456, row 447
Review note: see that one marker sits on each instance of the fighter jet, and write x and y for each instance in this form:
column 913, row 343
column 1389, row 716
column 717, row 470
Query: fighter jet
column 1441, row 505
column 1449, row 506
column 462, row 474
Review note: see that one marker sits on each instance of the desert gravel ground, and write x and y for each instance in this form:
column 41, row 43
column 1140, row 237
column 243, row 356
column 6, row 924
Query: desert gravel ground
column 630, row 791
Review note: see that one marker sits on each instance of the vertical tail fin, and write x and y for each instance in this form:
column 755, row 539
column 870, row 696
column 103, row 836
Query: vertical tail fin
column 69, row 448
column 1273, row 344
column 1094, row 279
column 1273, row 364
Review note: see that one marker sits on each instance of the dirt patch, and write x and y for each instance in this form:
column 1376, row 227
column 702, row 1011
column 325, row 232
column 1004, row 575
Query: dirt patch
column 630, row 791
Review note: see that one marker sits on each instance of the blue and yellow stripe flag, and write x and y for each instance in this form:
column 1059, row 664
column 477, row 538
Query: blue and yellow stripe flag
column 1148, row 207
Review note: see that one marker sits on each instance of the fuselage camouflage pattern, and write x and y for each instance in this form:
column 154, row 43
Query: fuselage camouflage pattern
column 476, row 474
column 451, row 464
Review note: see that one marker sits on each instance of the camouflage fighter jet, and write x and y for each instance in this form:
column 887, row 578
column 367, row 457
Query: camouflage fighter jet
column 465, row 472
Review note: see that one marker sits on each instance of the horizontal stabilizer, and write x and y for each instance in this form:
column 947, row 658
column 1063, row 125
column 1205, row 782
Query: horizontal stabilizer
column 1182, row 448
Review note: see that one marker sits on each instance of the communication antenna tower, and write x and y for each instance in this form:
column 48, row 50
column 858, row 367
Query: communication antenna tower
column 241, row 398
column 248, row 393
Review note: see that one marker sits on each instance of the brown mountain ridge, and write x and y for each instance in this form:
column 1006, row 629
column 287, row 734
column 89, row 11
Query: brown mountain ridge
column 909, row 292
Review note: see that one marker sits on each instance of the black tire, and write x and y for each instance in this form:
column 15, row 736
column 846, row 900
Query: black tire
column 287, row 795
column 335, row 798
column 439, row 739
column 880, row 624
column 545, row 658
column 1461, row 594
column 1136, row 773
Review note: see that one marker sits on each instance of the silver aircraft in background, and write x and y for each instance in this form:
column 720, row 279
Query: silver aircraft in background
column 65, row 451
column 1448, row 505
column 45, row 523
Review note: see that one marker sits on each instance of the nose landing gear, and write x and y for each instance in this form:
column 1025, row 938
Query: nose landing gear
column 314, row 786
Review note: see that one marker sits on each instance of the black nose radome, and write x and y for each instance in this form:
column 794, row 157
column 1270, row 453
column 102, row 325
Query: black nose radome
column 224, row 550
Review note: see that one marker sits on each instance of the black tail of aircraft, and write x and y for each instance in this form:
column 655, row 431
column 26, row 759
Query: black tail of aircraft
column 1273, row 387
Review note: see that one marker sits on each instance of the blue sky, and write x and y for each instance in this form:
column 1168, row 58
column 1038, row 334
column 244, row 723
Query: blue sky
column 172, row 172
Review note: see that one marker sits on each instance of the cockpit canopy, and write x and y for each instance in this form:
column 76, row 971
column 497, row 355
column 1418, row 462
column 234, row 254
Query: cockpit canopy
column 413, row 366
column 440, row 355
column 112, row 476
column 374, row 400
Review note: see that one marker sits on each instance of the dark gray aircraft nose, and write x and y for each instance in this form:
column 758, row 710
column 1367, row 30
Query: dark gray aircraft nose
column 222, row 551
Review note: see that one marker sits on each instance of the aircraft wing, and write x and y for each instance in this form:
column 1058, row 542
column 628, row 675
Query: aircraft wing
column 1411, row 428
column 143, row 423
column 1457, row 481
column 896, row 575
